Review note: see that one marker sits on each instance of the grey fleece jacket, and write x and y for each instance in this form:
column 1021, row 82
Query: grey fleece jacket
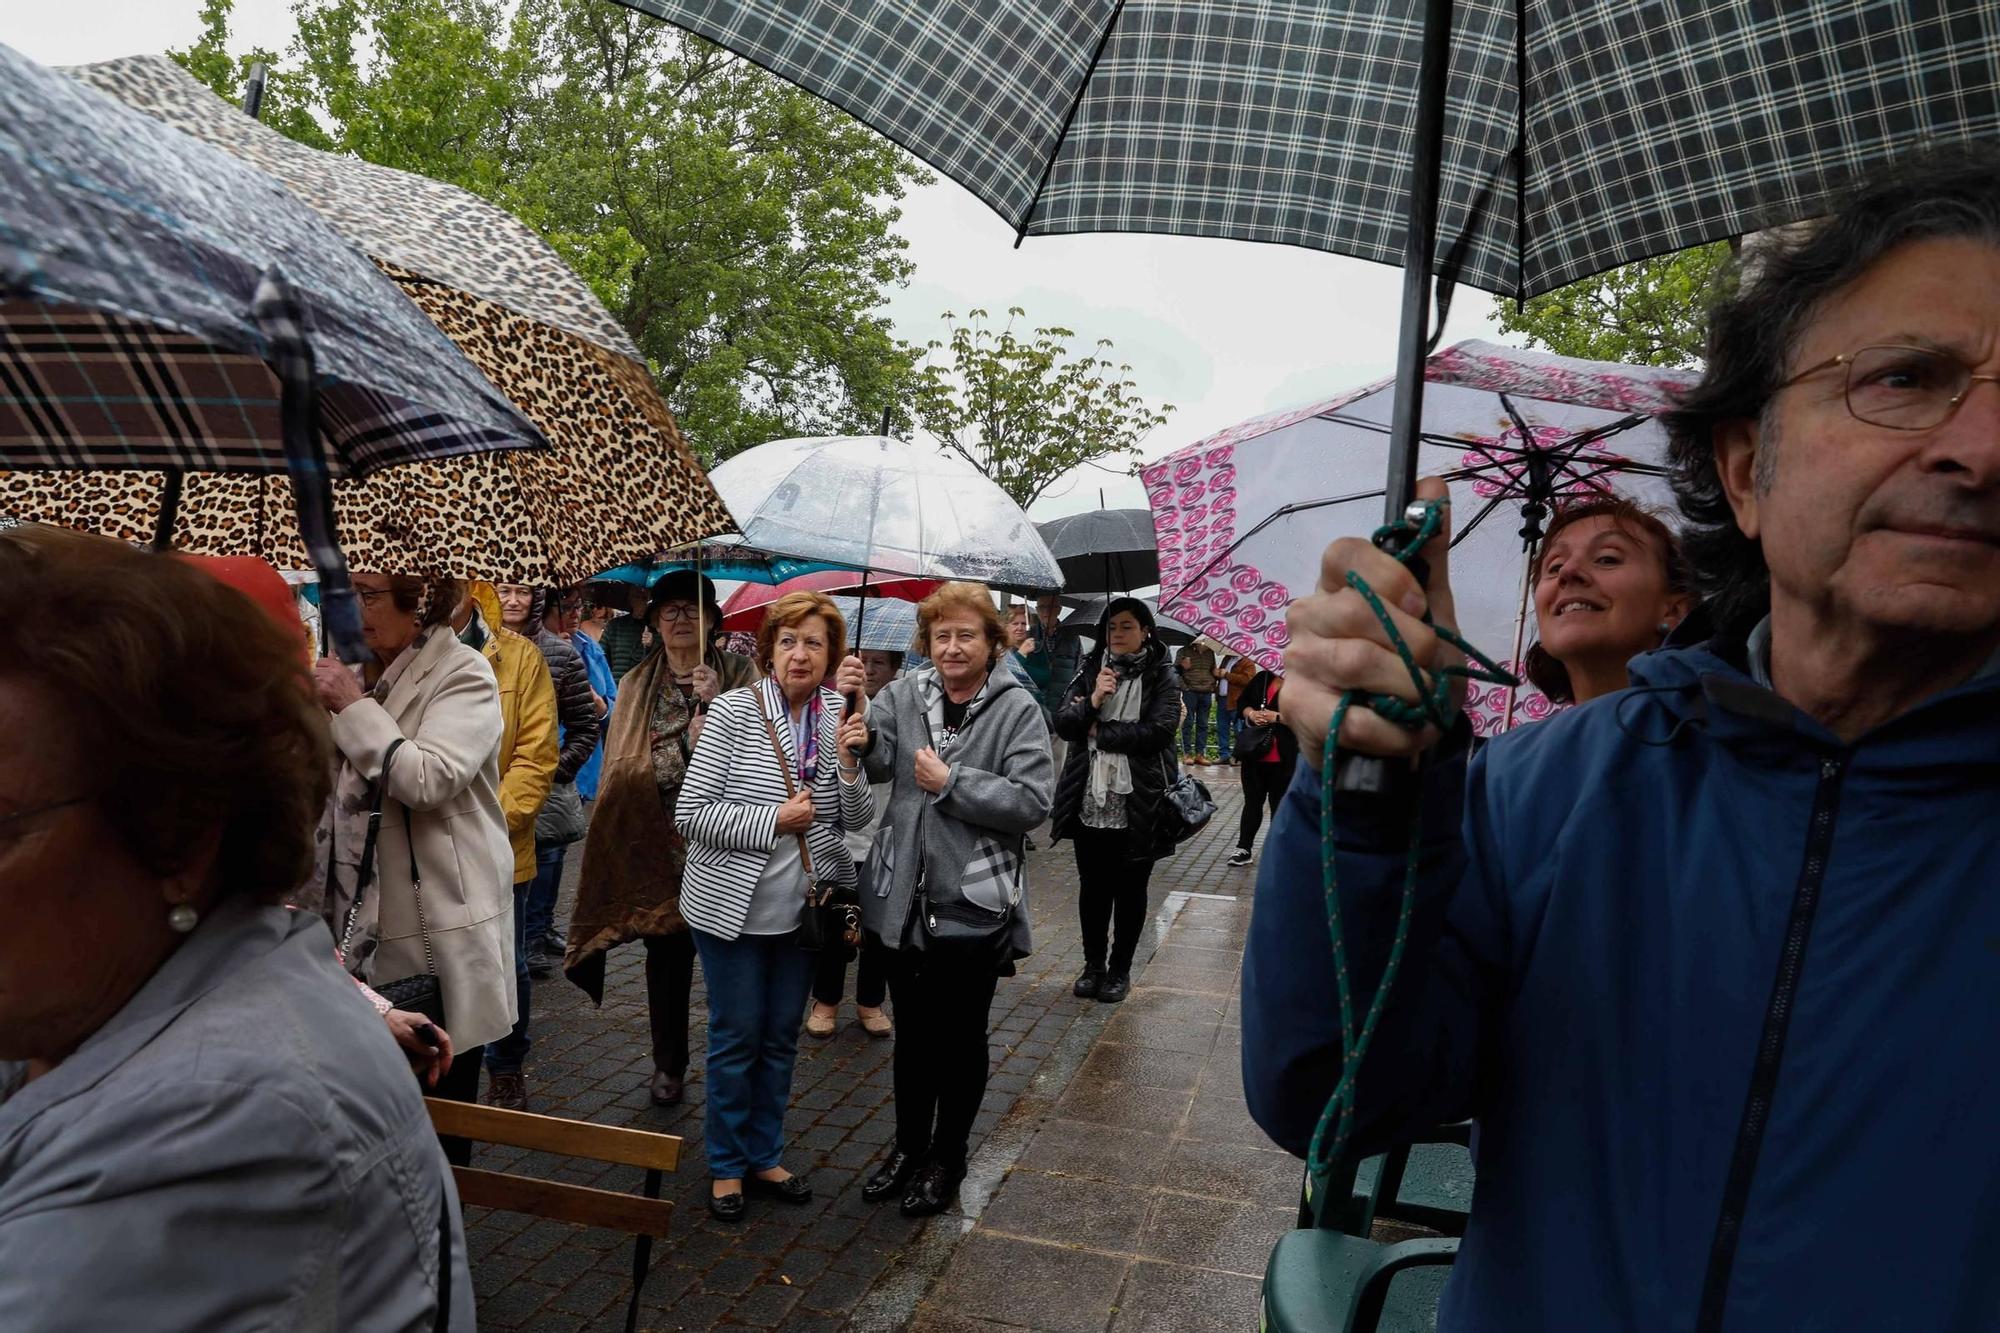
column 972, row 834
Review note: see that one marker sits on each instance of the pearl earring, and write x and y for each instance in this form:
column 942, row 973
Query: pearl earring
column 183, row 918
column 1666, row 627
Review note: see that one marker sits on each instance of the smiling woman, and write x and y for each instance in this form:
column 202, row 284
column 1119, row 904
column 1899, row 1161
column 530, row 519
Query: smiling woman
column 1609, row 584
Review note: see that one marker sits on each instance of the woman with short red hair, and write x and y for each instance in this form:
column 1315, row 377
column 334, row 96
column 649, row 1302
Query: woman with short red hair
column 772, row 783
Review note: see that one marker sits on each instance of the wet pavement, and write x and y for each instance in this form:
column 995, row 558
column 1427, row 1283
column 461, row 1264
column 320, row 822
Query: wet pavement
column 1115, row 1182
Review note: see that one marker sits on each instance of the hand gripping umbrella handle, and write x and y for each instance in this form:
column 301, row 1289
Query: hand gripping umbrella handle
column 1368, row 776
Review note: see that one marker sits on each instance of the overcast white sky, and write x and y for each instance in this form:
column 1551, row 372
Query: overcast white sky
column 1224, row 330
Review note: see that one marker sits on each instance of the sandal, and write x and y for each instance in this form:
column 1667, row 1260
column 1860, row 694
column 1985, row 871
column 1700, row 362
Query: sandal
column 819, row 1023
column 876, row 1023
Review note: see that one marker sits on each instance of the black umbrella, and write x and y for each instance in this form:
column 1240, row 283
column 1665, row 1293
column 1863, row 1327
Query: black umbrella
column 1086, row 614
column 1105, row 550
column 165, row 307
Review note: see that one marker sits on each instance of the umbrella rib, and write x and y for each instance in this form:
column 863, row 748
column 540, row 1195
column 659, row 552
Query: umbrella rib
column 1069, row 118
column 1282, row 512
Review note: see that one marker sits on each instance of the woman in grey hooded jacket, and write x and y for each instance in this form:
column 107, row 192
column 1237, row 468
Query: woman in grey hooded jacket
column 967, row 753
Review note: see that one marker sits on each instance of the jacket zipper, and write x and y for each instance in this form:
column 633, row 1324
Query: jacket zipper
column 1770, row 1051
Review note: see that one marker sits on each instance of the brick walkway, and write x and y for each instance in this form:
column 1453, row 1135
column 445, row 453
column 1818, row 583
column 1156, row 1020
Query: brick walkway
column 841, row 1263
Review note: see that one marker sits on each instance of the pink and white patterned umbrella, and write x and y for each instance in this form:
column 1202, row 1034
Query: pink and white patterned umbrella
column 1241, row 517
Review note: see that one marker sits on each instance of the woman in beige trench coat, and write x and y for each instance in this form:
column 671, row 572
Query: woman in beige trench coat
column 439, row 697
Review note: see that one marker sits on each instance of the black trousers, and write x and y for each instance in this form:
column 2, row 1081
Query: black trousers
column 1113, row 892
column 870, row 981
column 1263, row 784
column 941, row 1066
column 460, row 1084
column 669, row 983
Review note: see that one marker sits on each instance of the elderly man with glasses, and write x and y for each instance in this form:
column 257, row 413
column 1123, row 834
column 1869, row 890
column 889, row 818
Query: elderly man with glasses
column 1713, row 961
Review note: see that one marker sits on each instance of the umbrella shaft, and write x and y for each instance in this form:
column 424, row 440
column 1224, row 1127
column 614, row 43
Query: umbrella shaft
column 1419, row 246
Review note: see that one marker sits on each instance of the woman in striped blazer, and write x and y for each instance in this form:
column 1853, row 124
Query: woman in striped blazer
column 772, row 782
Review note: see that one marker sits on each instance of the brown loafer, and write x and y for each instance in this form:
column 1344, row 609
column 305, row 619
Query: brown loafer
column 667, row 1089
column 876, row 1023
column 820, row 1020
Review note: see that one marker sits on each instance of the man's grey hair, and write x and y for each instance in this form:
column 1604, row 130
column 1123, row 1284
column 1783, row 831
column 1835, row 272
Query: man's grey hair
column 1761, row 306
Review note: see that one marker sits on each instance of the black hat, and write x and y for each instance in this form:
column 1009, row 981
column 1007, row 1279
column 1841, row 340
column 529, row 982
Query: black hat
column 686, row 585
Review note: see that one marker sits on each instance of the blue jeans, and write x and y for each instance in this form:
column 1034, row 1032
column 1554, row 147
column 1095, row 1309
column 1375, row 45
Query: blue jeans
column 757, row 986
column 1194, row 731
column 507, row 1055
column 542, row 891
column 1225, row 729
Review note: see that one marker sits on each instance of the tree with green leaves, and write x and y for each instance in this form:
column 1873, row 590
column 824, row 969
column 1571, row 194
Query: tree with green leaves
column 1651, row 313
column 1026, row 410
column 741, row 230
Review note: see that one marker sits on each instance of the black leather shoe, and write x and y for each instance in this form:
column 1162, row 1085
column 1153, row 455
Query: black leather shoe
column 726, row 1207
column 1116, row 986
column 892, row 1178
column 1088, row 984
column 931, row 1191
column 792, row 1189
column 666, row 1089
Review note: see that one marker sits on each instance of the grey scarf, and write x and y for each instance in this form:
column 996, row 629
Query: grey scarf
column 1111, row 774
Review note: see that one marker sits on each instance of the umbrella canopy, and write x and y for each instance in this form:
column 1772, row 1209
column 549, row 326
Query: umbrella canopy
column 889, row 627
column 1105, row 550
column 1574, row 137
column 128, row 308
column 1087, row 613
column 1243, row 516
column 870, row 502
column 723, row 561
column 618, row 481
column 745, row 607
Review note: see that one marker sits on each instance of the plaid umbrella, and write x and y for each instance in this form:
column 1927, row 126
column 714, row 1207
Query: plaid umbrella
column 1575, row 136
column 130, row 263
column 618, row 482
column 1531, row 145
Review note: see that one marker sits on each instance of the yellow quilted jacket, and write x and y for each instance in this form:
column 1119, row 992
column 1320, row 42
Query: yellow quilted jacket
column 528, row 746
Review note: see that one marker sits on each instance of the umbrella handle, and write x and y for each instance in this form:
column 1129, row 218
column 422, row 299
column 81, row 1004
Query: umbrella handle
column 1370, row 776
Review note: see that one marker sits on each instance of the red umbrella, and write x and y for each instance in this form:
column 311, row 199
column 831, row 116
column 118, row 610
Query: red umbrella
column 746, row 606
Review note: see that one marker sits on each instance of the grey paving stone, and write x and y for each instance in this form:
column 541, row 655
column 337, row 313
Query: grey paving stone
column 1043, row 1287
column 1069, row 1211
column 1098, row 1152
column 1213, row 1233
column 1161, row 1298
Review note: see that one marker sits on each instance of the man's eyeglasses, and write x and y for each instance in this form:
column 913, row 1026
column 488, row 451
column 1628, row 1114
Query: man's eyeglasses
column 1901, row 388
column 677, row 611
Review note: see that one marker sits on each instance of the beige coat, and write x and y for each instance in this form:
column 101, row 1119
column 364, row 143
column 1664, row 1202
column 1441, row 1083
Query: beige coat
column 447, row 777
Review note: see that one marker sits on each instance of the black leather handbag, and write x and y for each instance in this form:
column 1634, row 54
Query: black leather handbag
column 421, row 993
column 832, row 910
column 1185, row 806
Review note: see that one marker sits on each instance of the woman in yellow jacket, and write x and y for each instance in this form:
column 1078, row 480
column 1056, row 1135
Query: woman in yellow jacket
column 528, row 753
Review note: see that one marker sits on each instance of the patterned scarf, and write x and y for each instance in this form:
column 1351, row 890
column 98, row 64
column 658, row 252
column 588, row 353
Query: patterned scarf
column 805, row 736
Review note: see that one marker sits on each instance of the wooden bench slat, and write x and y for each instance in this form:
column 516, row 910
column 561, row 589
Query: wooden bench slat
column 570, row 1138
column 579, row 1204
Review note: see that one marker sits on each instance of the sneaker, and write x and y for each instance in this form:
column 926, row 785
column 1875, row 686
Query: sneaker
column 507, row 1089
column 1241, row 857
column 1115, row 987
column 1087, row 985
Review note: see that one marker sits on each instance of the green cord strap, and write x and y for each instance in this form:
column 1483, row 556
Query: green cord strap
column 1433, row 708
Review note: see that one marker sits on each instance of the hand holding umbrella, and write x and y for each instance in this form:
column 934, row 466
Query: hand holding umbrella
column 1340, row 644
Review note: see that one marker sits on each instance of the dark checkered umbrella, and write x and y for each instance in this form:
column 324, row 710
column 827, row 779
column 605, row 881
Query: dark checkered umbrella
column 1546, row 142
column 164, row 306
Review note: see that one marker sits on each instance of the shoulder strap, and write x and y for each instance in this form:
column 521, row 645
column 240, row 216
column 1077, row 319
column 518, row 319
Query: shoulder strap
column 364, row 874
column 785, row 769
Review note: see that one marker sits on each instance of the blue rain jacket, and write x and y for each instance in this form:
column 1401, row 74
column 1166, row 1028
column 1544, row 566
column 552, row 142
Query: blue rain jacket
column 1722, row 992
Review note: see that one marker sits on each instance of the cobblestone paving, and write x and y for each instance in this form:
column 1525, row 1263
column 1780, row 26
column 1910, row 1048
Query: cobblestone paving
column 838, row 1262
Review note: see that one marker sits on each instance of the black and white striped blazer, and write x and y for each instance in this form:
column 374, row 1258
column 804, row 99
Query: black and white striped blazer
column 728, row 810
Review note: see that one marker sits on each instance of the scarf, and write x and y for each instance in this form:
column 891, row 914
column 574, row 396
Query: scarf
column 930, row 686
column 1111, row 774
column 805, row 735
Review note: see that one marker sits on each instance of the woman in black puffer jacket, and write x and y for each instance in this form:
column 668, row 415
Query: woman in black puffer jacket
column 1120, row 720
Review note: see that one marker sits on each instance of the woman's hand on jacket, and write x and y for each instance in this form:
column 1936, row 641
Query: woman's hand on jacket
column 1107, row 681
column 932, row 772
column 336, row 684
column 796, row 814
